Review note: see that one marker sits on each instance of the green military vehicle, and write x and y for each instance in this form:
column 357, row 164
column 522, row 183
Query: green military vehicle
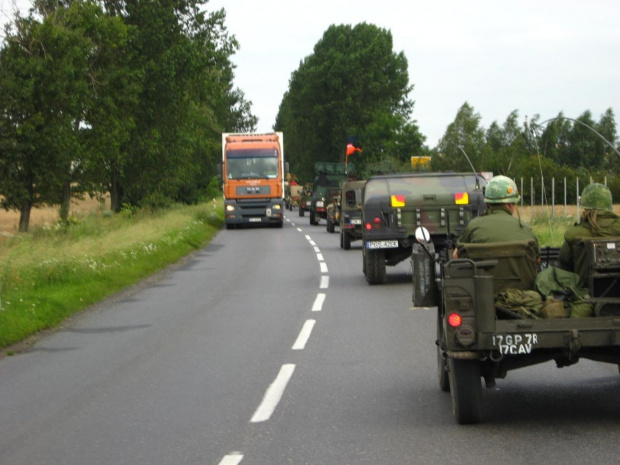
column 332, row 216
column 305, row 199
column 327, row 186
column 350, row 213
column 394, row 205
column 480, row 336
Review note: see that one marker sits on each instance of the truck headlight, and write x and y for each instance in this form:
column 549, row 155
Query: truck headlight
column 277, row 206
column 230, row 208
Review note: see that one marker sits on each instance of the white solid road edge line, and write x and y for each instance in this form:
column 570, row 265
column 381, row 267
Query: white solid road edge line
column 318, row 302
column 304, row 335
column 234, row 458
column 273, row 394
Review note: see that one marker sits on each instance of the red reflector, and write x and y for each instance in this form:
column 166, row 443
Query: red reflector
column 398, row 201
column 368, row 226
column 455, row 320
column 461, row 198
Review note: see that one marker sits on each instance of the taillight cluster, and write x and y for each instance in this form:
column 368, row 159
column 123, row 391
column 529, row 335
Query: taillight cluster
column 375, row 223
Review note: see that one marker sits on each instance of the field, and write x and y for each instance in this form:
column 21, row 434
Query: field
column 39, row 217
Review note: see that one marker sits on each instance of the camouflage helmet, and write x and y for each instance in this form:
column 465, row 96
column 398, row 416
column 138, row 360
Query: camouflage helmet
column 501, row 189
column 596, row 197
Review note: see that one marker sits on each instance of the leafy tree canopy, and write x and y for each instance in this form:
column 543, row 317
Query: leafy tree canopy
column 353, row 85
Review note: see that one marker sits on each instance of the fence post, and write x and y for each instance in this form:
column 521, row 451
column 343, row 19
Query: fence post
column 531, row 198
column 578, row 198
column 552, row 197
column 565, row 193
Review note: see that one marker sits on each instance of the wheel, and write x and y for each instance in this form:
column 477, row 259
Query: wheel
column 442, row 369
column 330, row 226
column 301, row 211
column 313, row 220
column 466, row 390
column 346, row 240
column 341, row 239
column 375, row 266
column 442, row 372
column 230, row 226
column 364, row 260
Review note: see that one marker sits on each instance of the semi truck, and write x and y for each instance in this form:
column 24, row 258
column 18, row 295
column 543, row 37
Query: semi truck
column 253, row 172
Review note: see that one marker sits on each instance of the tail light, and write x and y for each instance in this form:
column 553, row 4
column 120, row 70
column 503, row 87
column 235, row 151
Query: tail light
column 455, row 320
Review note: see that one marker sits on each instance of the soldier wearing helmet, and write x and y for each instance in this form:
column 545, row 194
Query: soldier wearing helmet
column 498, row 224
column 597, row 220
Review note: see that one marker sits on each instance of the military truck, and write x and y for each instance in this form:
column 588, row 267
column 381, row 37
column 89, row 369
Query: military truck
column 327, row 186
column 332, row 216
column 480, row 337
column 305, row 199
column 394, row 205
column 350, row 213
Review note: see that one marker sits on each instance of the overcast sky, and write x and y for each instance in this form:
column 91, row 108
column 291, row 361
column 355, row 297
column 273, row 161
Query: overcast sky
column 534, row 56
column 537, row 56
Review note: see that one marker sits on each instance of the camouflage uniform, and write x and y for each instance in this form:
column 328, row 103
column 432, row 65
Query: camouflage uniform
column 597, row 220
column 498, row 224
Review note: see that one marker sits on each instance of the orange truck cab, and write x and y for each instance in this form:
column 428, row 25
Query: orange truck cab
column 253, row 178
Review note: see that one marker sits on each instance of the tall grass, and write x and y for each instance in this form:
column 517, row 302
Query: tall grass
column 54, row 272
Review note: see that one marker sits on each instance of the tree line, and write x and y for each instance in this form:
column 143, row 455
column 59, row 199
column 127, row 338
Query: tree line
column 125, row 97
column 561, row 147
column 355, row 86
column 130, row 98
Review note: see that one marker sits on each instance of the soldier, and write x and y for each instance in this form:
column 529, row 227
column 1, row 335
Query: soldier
column 597, row 220
column 498, row 224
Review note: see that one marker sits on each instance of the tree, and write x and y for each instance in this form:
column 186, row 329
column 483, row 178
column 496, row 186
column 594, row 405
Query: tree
column 42, row 93
column 354, row 84
column 464, row 134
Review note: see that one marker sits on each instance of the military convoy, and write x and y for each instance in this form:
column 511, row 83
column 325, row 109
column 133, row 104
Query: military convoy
column 480, row 335
column 326, row 187
column 395, row 205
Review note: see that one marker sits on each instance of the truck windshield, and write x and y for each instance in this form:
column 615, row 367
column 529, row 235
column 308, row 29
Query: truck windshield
column 251, row 164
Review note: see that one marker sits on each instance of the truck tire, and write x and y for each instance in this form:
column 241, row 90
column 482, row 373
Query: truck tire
column 442, row 372
column 375, row 267
column 341, row 239
column 330, row 226
column 313, row 220
column 364, row 260
column 301, row 211
column 466, row 390
column 442, row 369
column 346, row 240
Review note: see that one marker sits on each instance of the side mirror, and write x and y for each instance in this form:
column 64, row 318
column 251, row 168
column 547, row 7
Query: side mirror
column 422, row 235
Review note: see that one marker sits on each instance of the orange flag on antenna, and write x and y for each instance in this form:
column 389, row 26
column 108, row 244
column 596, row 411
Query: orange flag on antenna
column 351, row 149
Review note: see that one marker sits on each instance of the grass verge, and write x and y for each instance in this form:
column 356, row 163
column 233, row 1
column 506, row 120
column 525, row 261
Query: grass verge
column 55, row 272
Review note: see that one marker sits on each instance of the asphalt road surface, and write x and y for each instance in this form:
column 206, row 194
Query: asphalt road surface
column 269, row 347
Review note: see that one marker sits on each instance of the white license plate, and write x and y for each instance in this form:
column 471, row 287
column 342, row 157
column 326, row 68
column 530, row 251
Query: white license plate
column 382, row 244
column 255, row 220
column 356, row 221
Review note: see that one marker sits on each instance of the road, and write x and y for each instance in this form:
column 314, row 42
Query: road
column 269, row 347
